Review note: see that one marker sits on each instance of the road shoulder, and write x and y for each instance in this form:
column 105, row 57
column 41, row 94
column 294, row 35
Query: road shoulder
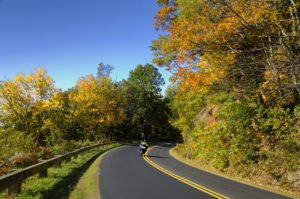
column 191, row 163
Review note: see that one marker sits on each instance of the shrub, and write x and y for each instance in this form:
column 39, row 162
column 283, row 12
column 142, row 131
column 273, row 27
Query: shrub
column 68, row 146
column 45, row 153
column 21, row 160
column 12, row 142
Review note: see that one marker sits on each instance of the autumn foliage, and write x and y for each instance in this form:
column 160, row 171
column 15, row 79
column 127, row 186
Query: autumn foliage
column 38, row 120
column 249, row 46
column 236, row 73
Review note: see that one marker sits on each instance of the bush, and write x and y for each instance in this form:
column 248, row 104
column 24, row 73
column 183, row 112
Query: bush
column 69, row 145
column 248, row 139
column 12, row 142
column 45, row 153
column 21, row 160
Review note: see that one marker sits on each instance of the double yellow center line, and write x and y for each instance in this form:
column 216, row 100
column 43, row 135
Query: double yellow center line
column 192, row 184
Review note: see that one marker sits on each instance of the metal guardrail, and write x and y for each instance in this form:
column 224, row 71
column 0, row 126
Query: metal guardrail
column 13, row 181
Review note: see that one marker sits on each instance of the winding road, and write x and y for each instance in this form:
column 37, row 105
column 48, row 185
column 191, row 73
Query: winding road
column 125, row 175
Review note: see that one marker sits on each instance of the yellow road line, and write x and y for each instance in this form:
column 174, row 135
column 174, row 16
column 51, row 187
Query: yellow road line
column 192, row 184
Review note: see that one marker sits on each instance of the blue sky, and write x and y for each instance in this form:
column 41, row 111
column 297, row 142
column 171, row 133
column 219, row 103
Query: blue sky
column 69, row 38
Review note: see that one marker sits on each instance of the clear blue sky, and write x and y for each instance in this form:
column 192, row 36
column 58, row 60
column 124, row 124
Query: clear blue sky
column 69, row 38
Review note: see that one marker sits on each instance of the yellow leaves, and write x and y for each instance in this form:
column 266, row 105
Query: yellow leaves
column 101, row 120
column 96, row 101
column 48, row 79
column 112, row 103
column 19, row 78
column 47, row 104
column 39, row 73
column 254, row 11
column 43, row 84
column 210, row 36
column 27, row 97
column 86, row 85
column 28, row 79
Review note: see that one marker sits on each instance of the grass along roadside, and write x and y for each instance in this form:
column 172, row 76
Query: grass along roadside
column 88, row 185
column 60, row 181
column 174, row 153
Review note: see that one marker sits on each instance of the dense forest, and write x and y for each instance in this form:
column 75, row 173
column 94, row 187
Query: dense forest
column 236, row 77
column 38, row 120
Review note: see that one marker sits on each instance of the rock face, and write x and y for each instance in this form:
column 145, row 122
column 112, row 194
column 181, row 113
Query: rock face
column 294, row 177
column 207, row 114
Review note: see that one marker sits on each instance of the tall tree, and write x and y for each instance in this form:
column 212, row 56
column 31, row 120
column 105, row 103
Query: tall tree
column 97, row 102
column 148, row 110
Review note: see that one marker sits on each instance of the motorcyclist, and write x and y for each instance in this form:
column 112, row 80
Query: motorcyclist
column 144, row 142
column 143, row 147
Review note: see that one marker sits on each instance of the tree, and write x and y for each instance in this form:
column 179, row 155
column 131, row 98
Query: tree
column 104, row 70
column 145, row 105
column 248, row 46
column 97, row 104
column 146, row 79
column 26, row 103
column 236, row 64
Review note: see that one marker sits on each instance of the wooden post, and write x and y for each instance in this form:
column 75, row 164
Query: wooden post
column 68, row 159
column 57, row 165
column 15, row 189
column 43, row 173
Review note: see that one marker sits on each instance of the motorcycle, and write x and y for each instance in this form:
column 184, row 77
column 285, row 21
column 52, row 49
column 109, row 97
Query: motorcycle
column 142, row 149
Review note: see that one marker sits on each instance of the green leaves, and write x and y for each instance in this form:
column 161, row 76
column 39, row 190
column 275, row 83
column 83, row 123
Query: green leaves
column 146, row 79
column 147, row 112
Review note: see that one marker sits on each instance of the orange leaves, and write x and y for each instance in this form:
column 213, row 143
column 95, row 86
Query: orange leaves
column 206, row 38
column 252, row 11
column 165, row 14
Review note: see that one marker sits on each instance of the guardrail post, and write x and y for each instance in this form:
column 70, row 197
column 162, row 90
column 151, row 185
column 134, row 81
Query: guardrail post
column 68, row 159
column 16, row 188
column 57, row 165
column 43, row 173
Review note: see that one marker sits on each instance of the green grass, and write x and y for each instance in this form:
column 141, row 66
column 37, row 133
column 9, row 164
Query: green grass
column 60, row 181
column 88, row 185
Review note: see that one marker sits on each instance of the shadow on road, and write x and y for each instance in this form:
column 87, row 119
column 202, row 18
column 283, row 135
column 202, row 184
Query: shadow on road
column 155, row 156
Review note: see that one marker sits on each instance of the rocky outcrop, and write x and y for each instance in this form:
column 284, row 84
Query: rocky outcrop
column 207, row 114
column 294, row 177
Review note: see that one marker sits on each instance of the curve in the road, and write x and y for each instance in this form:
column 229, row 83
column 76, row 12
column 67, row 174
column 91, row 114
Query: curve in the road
column 232, row 189
column 186, row 181
column 124, row 174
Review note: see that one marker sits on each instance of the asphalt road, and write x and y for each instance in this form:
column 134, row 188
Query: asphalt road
column 126, row 175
